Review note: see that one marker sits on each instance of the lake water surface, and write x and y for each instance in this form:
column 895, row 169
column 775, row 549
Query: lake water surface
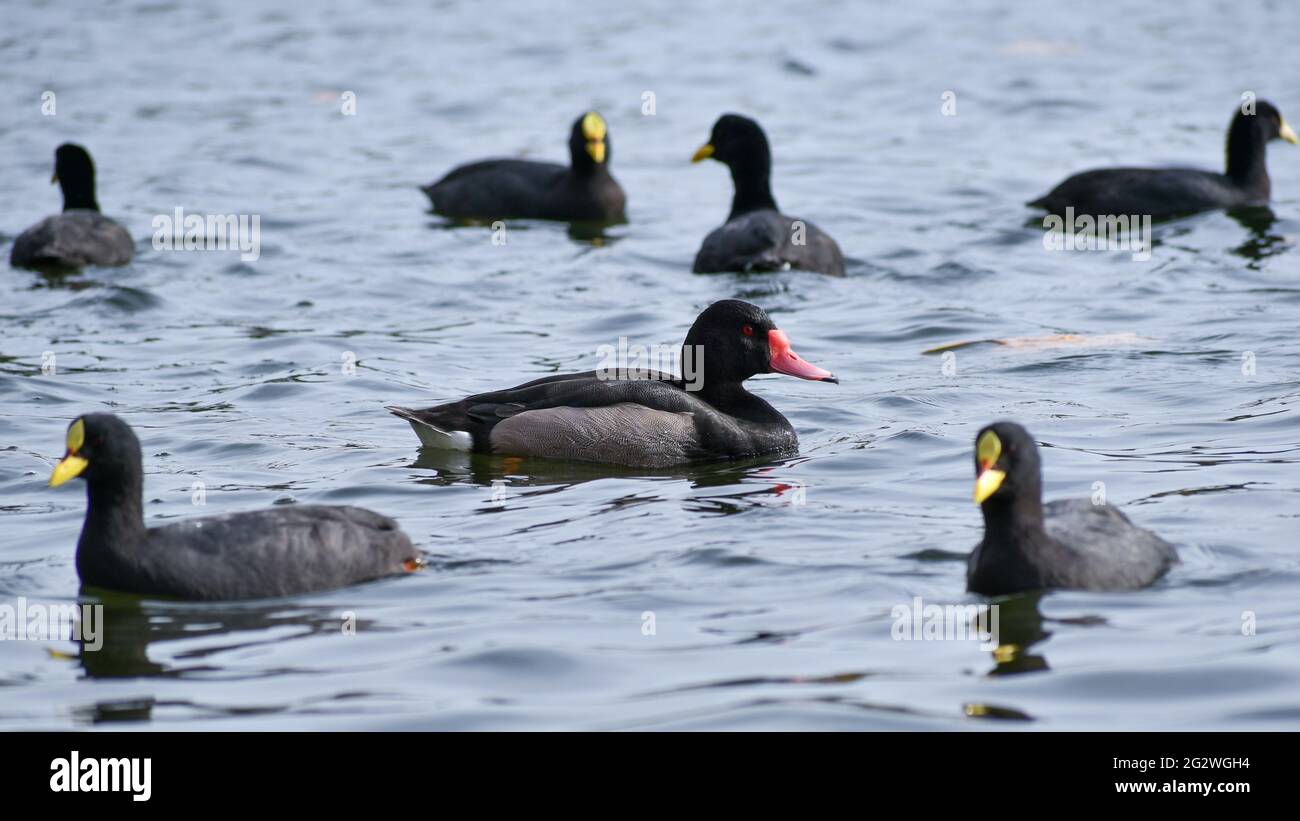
column 758, row 595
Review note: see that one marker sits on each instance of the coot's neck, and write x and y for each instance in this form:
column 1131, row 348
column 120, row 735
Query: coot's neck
column 1246, row 154
column 581, row 166
column 1015, row 520
column 79, row 193
column 752, row 179
column 114, row 522
column 589, row 170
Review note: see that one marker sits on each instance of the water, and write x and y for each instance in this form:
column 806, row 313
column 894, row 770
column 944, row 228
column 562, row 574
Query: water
column 767, row 613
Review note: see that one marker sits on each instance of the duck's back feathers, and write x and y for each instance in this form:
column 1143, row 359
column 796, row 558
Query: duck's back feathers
column 649, row 422
column 630, row 415
column 581, row 416
column 72, row 239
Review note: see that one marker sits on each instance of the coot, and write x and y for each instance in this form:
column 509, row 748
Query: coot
column 583, row 191
column 279, row 551
column 1071, row 544
column 756, row 235
column 1167, row 192
column 79, row 236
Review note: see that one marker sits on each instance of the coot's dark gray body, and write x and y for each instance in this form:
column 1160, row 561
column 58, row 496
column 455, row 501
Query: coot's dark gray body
column 1168, row 192
column 1069, row 544
column 756, row 235
column 1159, row 192
column 1088, row 547
column 768, row 240
column 582, row 192
column 79, row 236
column 73, row 239
column 520, row 189
column 278, row 551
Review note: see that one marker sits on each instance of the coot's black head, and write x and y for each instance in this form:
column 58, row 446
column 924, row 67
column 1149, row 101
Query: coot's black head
column 589, row 142
column 1006, row 464
column 1250, row 131
column 733, row 340
column 102, row 449
column 741, row 145
column 738, row 142
column 75, row 174
column 1266, row 121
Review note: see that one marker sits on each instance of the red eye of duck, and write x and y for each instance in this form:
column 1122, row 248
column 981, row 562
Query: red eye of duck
column 747, row 330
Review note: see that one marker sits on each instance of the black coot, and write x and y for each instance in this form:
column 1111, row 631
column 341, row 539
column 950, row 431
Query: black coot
column 756, row 235
column 1168, row 192
column 1071, row 544
column 79, row 236
column 275, row 552
column 583, row 191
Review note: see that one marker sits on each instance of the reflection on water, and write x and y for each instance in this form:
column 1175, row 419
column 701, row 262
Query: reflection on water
column 69, row 279
column 1262, row 243
column 595, row 234
column 132, row 625
column 1021, row 627
column 459, row 467
column 186, row 641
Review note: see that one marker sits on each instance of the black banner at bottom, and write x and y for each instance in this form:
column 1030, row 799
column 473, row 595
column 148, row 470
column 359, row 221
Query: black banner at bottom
column 211, row 770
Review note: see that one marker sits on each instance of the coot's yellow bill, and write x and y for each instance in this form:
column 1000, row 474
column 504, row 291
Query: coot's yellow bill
column 593, row 126
column 71, row 465
column 988, row 450
column 1287, row 133
column 703, row 153
column 987, row 484
column 594, row 130
column 69, row 468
